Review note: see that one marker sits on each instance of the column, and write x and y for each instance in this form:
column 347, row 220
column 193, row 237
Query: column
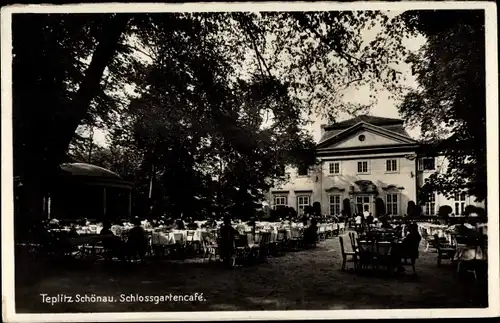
column 104, row 203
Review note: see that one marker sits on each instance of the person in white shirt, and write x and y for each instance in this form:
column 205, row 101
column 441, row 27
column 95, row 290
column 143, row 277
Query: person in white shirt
column 366, row 214
column 359, row 221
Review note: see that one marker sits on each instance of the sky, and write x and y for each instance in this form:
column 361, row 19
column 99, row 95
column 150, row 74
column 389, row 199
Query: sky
column 384, row 107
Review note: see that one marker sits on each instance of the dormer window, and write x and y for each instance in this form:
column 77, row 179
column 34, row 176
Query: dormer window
column 427, row 163
column 303, row 170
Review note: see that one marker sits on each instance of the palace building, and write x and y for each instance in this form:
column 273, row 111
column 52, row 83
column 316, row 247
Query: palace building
column 364, row 159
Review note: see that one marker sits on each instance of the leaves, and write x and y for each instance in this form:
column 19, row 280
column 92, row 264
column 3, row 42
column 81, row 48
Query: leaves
column 450, row 101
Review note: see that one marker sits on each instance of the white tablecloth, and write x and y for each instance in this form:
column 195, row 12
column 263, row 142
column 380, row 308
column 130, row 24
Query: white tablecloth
column 465, row 253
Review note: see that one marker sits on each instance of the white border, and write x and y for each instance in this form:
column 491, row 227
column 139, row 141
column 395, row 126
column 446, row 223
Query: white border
column 492, row 160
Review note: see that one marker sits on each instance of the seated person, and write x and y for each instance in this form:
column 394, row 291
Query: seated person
column 227, row 238
column 137, row 243
column 385, row 224
column 409, row 247
column 192, row 225
column 311, row 233
column 72, row 232
column 179, row 225
column 112, row 243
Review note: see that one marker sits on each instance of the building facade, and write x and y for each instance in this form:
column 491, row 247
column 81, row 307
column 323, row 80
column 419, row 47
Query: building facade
column 360, row 161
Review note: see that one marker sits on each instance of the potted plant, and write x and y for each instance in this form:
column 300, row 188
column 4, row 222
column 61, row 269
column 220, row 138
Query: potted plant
column 444, row 213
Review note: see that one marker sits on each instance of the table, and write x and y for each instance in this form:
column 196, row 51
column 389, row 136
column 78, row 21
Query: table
column 433, row 229
column 465, row 253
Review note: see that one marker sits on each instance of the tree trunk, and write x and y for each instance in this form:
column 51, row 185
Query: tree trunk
column 106, row 49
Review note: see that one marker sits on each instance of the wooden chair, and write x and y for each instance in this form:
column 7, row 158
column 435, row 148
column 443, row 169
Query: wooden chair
column 322, row 233
column 345, row 254
column 210, row 247
column 295, row 238
column 445, row 252
column 352, row 237
column 280, row 242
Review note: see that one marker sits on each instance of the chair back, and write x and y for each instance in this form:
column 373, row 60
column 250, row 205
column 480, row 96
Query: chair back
column 250, row 238
column 281, row 236
column 352, row 236
column 266, row 238
column 342, row 249
column 241, row 240
column 295, row 233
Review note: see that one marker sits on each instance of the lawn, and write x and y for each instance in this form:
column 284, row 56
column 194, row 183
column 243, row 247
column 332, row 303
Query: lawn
column 300, row 280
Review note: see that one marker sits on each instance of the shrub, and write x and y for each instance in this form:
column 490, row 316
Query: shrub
column 379, row 207
column 445, row 211
column 470, row 209
column 308, row 210
column 411, row 208
column 317, row 208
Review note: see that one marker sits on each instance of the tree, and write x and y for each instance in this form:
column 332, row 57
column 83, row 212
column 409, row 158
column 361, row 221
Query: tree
column 77, row 68
column 450, row 102
column 55, row 89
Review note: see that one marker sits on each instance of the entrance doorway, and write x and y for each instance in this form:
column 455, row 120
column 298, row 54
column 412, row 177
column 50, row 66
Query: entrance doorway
column 363, row 203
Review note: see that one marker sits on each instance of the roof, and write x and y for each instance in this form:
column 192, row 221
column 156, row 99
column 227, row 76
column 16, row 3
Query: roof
column 82, row 169
column 391, row 124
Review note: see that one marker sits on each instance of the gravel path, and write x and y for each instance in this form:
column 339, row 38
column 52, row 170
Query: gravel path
column 309, row 279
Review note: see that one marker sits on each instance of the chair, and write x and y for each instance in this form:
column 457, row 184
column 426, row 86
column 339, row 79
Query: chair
column 352, row 237
column 210, row 247
column 445, row 252
column 295, row 238
column 322, row 233
column 336, row 230
column 471, row 265
column 328, row 231
column 264, row 245
column 346, row 254
column 280, row 241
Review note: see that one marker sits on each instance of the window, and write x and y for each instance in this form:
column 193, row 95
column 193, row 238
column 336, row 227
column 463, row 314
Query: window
column 334, row 168
column 280, row 201
column 391, row 165
column 362, row 167
column 281, row 171
column 334, row 204
column 361, row 138
column 460, row 203
column 392, row 204
column 302, row 170
column 427, row 163
column 362, row 203
column 302, row 202
column 430, row 205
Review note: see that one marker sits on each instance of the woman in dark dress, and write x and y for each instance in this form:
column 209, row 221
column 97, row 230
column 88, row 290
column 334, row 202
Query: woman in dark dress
column 409, row 247
column 111, row 242
column 137, row 243
column 227, row 235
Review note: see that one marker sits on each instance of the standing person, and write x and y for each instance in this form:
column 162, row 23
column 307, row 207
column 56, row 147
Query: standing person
column 358, row 221
column 137, row 242
column 366, row 214
column 227, row 235
column 369, row 220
